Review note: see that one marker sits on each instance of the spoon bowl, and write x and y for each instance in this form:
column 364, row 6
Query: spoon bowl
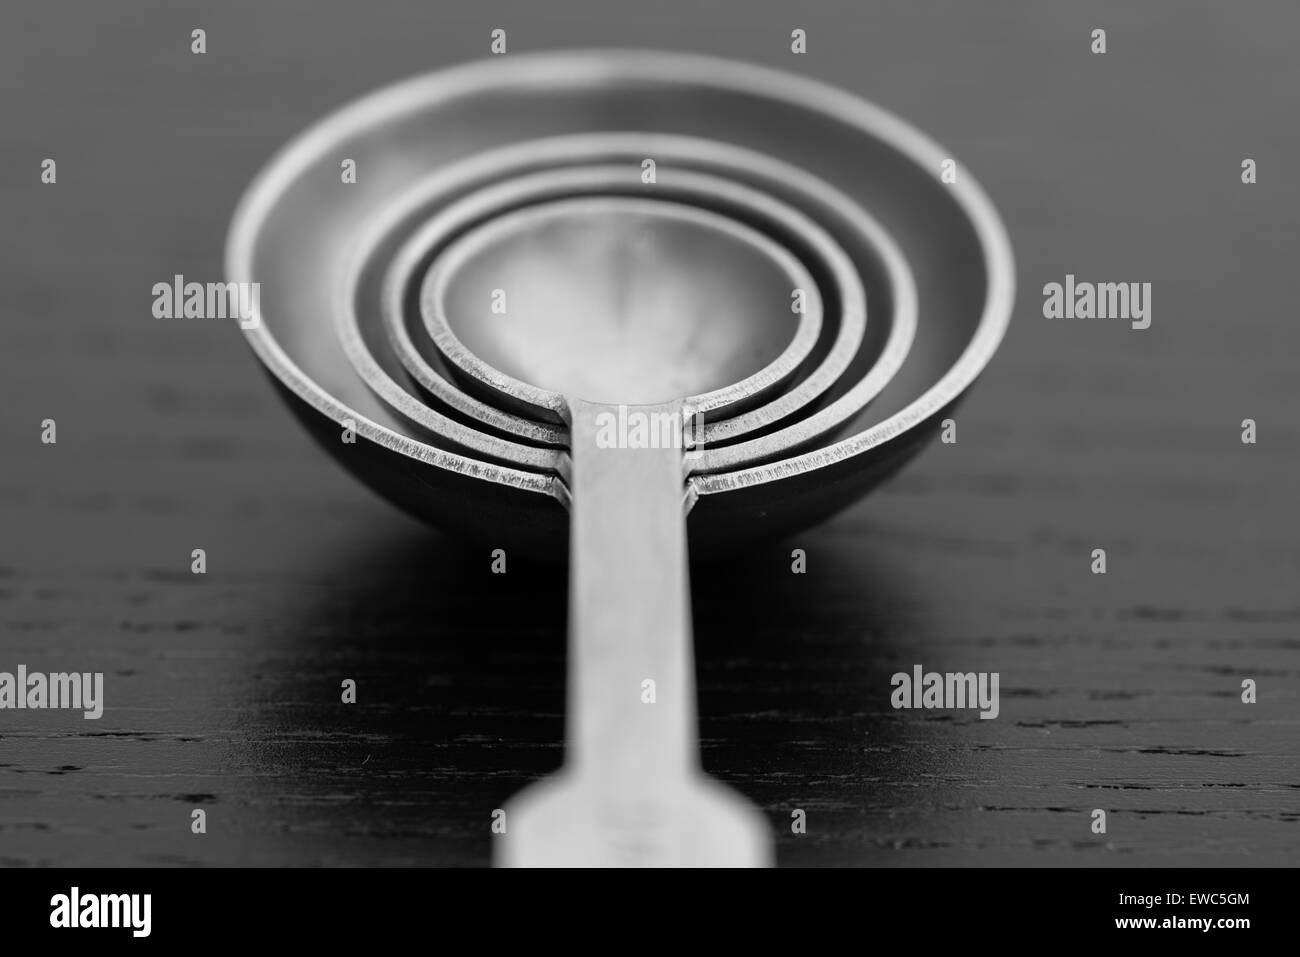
column 630, row 301
column 631, row 759
column 835, row 275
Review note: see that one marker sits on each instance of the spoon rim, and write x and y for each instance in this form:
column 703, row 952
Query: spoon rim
column 436, row 281
column 600, row 67
column 692, row 166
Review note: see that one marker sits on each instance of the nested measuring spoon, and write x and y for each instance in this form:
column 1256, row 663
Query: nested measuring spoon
column 837, row 279
column 530, row 192
column 614, row 319
column 571, row 350
column 806, row 204
column 295, row 229
column 785, row 343
column 295, row 232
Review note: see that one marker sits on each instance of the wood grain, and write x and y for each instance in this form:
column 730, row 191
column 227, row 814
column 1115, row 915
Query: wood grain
column 1118, row 692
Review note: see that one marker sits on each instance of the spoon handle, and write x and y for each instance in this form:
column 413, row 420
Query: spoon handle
column 632, row 682
column 631, row 791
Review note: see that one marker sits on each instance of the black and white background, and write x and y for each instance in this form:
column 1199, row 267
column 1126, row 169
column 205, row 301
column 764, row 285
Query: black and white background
column 1119, row 691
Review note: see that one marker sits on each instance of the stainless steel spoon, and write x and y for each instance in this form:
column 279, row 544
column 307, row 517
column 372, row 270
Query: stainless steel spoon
column 800, row 335
column 295, row 230
column 619, row 309
column 840, row 293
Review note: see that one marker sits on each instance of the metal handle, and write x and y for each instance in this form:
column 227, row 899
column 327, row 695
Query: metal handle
column 632, row 683
column 631, row 791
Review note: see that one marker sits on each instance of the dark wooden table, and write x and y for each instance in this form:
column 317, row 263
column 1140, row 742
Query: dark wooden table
column 1119, row 691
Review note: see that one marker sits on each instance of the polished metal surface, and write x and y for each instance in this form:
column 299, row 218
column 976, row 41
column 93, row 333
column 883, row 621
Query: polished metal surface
column 398, row 239
column 296, row 225
column 621, row 300
column 798, row 334
column 836, row 278
column 626, row 308
column 688, row 290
